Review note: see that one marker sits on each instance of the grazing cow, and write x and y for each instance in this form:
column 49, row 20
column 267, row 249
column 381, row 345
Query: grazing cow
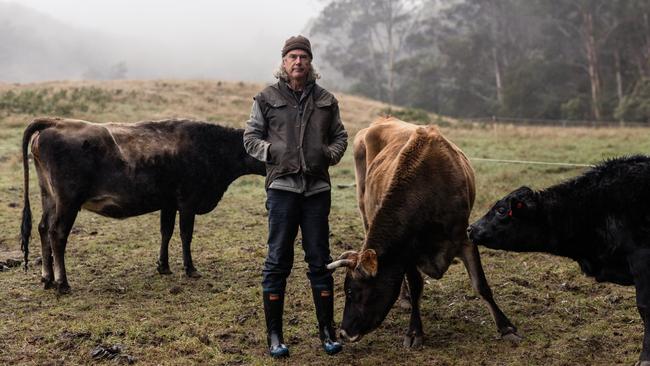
column 600, row 219
column 121, row 170
column 415, row 191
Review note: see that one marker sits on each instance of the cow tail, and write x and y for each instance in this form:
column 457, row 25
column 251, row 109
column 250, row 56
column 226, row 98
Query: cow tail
column 26, row 225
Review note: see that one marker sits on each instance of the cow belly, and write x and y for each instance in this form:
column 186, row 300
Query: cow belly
column 436, row 265
column 614, row 270
column 111, row 206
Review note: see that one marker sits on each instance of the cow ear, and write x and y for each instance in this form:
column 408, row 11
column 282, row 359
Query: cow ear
column 367, row 263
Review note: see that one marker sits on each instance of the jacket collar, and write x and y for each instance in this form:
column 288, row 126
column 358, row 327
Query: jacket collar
column 284, row 88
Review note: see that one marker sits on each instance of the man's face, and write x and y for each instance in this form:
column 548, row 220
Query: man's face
column 297, row 64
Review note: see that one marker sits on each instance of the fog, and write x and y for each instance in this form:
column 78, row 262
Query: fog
column 226, row 40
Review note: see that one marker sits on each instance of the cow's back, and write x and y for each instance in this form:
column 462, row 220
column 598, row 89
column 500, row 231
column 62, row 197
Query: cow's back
column 127, row 143
column 415, row 165
column 145, row 141
column 386, row 137
column 127, row 169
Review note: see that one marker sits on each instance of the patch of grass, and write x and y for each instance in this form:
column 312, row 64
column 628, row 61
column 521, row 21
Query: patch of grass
column 118, row 297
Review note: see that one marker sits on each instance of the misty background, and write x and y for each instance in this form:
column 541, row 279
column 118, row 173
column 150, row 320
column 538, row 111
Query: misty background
column 583, row 60
column 144, row 39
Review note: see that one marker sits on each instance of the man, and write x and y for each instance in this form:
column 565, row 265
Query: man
column 296, row 129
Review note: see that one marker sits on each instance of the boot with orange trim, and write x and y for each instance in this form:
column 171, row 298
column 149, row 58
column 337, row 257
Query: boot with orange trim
column 324, row 302
column 273, row 308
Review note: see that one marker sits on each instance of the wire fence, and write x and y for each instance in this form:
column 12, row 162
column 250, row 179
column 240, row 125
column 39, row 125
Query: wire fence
column 555, row 123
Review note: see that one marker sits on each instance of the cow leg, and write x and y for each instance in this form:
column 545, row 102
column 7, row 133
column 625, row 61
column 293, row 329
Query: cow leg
column 414, row 334
column 472, row 262
column 404, row 296
column 59, row 226
column 187, row 229
column 641, row 272
column 47, row 271
column 167, row 221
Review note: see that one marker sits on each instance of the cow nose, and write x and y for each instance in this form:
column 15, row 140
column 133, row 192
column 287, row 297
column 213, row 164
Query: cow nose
column 347, row 338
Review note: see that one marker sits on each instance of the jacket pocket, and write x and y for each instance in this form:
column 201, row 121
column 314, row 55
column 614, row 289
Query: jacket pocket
column 327, row 154
column 324, row 102
column 277, row 151
column 276, row 114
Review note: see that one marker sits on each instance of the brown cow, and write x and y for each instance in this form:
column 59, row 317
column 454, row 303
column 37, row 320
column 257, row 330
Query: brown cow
column 415, row 191
column 121, row 170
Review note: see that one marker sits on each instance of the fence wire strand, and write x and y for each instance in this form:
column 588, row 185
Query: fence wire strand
column 533, row 162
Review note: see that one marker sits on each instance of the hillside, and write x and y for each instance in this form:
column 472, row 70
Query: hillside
column 226, row 103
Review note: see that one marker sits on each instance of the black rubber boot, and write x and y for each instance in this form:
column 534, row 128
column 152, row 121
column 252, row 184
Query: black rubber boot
column 273, row 308
column 324, row 302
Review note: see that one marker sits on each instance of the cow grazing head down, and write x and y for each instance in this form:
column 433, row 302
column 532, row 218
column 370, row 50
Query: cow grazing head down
column 369, row 292
column 514, row 223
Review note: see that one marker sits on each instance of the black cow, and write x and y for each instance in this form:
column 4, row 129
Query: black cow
column 121, row 170
column 600, row 219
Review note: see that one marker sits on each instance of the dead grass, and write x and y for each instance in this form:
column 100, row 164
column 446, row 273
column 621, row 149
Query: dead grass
column 118, row 298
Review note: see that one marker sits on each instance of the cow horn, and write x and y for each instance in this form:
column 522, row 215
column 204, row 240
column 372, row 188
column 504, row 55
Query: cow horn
column 342, row 263
column 347, row 259
column 347, row 254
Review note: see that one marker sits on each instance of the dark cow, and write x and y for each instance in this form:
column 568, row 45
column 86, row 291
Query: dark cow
column 121, row 170
column 600, row 219
column 415, row 192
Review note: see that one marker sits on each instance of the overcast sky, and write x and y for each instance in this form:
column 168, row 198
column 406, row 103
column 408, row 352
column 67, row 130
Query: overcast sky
column 231, row 40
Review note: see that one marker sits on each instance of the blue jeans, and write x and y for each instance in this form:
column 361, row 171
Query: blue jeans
column 289, row 211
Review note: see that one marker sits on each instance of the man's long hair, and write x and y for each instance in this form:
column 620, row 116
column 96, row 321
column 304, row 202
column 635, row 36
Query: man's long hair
column 281, row 74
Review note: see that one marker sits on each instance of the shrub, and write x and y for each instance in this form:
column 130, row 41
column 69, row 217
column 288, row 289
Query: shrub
column 413, row 115
column 576, row 109
column 61, row 102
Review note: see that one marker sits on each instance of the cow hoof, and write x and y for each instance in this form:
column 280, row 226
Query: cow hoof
column 412, row 342
column 63, row 288
column 513, row 337
column 47, row 283
column 193, row 273
column 164, row 270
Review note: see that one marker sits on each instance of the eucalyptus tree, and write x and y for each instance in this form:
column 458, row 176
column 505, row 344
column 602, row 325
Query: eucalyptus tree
column 365, row 40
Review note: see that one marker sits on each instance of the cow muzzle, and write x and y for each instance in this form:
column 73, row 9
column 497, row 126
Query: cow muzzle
column 344, row 335
column 473, row 233
column 469, row 231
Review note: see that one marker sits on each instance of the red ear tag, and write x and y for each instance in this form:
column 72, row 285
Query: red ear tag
column 520, row 205
column 510, row 213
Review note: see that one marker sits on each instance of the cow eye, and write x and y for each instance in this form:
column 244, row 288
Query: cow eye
column 501, row 210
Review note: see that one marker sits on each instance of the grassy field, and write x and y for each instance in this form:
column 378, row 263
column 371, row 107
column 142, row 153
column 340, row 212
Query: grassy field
column 118, row 298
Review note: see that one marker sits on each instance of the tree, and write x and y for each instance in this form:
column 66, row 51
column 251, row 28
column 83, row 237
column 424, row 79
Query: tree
column 576, row 59
column 365, row 40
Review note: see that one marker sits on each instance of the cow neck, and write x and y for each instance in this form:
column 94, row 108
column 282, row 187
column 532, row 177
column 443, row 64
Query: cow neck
column 227, row 144
column 385, row 232
column 562, row 216
column 388, row 229
column 249, row 165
